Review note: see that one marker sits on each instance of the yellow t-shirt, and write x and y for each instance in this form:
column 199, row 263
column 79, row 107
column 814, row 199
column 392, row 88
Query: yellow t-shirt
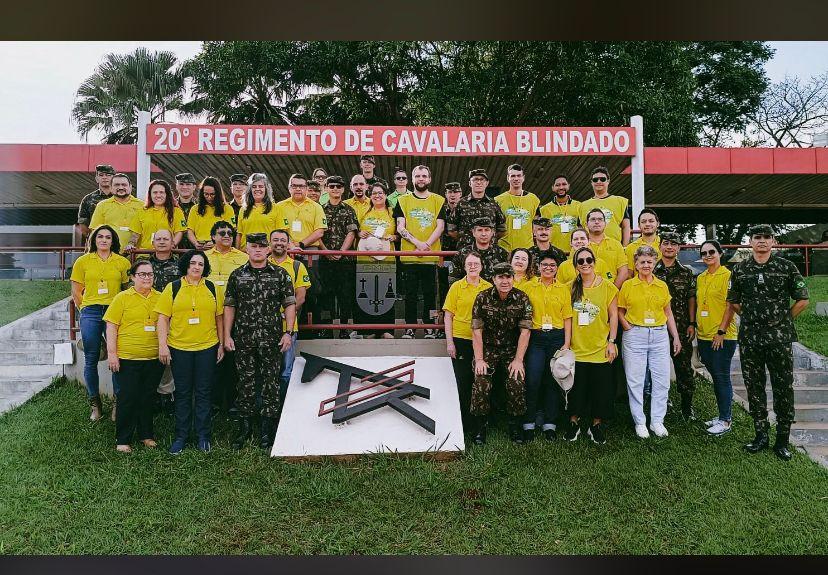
column 564, row 221
column 101, row 279
column 711, row 297
column 374, row 221
column 420, row 220
column 300, row 279
column 525, row 284
column 551, row 304
column 459, row 301
column 590, row 322
column 136, row 318
column 201, row 225
column 149, row 220
column 222, row 265
column 360, row 207
column 644, row 302
column 567, row 272
column 519, row 212
column 258, row 222
column 118, row 215
column 635, row 244
column 611, row 251
column 614, row 208
column 301, row 220
column 193, row 315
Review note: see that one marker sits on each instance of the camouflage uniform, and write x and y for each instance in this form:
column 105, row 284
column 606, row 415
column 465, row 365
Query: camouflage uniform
column 535, row 252
column 501, row 322
column 765, row 334
column 470, row 209
column 87, row 205
column 165, row 271
column 258, row 295
column 682, row 285
column 491, row 256
column 338, row 277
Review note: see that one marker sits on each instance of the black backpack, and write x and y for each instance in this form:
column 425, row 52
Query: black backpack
column 176, row 287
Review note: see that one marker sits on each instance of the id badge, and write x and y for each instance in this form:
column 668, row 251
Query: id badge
column 102, row 288
column 194, row 319
column 219, row 282
column 565, row 228
column 649, row 318
column 583, row 318
column 296, row 226
column 517, row 224
column 704, row 313
column 547, row 327
column 379, row 232
column 123, row 228
column 149, row 327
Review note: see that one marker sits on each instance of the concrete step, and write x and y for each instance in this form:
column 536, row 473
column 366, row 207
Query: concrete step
column 818, row 453
column 799, row 362
column 28, row 357
column 816, row 412
column 30, row 371
column 802, row 394
column 800, row 377
column 57, row 315
column 19, row 345
column 809, row 433
column 50, row 335
column 18, row 391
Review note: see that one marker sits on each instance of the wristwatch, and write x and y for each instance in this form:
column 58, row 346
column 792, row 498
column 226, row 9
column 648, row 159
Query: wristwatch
column 289, row 332
column 720, row 332
column 301, row 245
column 611, row 340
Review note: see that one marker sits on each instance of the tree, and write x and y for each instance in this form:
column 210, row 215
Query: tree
column 123, row 84
column 790, row 112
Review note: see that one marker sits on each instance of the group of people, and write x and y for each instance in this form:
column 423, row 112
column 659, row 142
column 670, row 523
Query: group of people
column 528, row 285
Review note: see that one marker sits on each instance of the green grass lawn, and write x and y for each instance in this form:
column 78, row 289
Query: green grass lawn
column 811, row 328
column 66, row 491
column 22, row 297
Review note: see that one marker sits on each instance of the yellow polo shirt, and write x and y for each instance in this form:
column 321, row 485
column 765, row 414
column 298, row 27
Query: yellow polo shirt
column 567, row 272
column 591, row 330
column 222, row 265
column 372, row 221
column 201, row 225
column 564, row 221
column 136, row 319
column 644, row 302
column 525, row 284
column 258, row 222
column 300, row 279
column 519, row 212
column 611, row 251
column 420, row 220
column 459, row 301
column 711, row 297
column 101, row 279
column 301, row 220
column 149, row 220
column 634, row 245
column 192, row 315
column 360, row 207
column 118, row 215
column 551, row 304
column 614, row 208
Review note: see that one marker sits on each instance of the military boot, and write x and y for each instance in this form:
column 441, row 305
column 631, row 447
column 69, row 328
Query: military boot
column 515, row 432
column 759, row 442
column 245, row 432
column 97, row 408
column 780, row 448
column 687, row 408
column 268, row 431
column 481, row 423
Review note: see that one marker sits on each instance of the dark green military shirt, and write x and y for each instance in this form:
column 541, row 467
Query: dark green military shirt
column 468, row 210
column 682, row 285
column 342, row 220
column 258, row 294
column 448, row 243
column 87, row 205
column 491, row 256
column 165, row 271
column 765, row 292
column 535, row 251
column 501, row 320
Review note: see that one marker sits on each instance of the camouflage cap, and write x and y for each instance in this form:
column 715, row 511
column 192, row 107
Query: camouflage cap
column 478, row 172
column 502, row 269
column 105, row 169
column 185, row 178
column 670, row 237
column 454, row 187
column 258, row 239
column 761, row 229
column 335, row 180
column 483, row 223
column 542, row 222
column 238, row 178
column 367, row 158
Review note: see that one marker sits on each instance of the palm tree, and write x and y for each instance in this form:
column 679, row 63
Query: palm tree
column 123, row 84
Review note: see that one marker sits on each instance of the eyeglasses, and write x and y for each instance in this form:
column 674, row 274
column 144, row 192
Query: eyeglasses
column 599, row 179
column 377, row 193
column 224, row 233
column 762, row 236
column 145, row 275
column 298, row 186
column 400, row 177
column 335, row 186
column 549, row 265
column 708, row 253
column 587, row 260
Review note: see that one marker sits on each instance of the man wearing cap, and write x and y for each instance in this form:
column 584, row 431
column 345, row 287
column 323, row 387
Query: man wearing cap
column 562, row 212
column 476, row 205
column 103, row 176
column 118, row 210
column 338, row 273
column 761, row 289
column 616, row 208
column 366, row 168
column 519, row 208
column 165, row 270
column 648, row 224
column 255, row 296
column 681, row 282
column 501, row 320
column 314, row 191
column 542, row 229
column 454, row 192
column 185, row 185
column 238, row 187
column 359, row 200
column 491, row 254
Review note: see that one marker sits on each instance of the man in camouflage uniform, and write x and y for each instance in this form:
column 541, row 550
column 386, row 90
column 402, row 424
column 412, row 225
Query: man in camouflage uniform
column 165, row 270
column 501, row 320
column 542, row 233
column 472, row 207
column 682, row 285
column 238, row 189
column 255, row 294
column 338, row 273
column 490, row 253
column 454, row 192
column 761, row 288
column 103, row 176
column 185, row 185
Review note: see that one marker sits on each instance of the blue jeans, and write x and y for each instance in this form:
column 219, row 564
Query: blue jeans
column 194, row 373
column 647, row 348
column 542, row 346
column 287, row 369
column 718, row 364
column 93, row 327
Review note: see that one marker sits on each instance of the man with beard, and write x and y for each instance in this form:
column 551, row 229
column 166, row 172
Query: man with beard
column 118, row 210
column 359, row 201
column 474, row 206
column 103, row 176
column 562, row 212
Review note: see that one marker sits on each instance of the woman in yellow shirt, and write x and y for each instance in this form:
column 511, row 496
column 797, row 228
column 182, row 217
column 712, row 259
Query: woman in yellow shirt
column 160, row 212
column 594, row 327
column 645, row 315
column 132, row 350
column 566, row 271
column 717, row 343
column 524, row 267
column 211, row 208
column 190, row 335
column 458, row 316
column 96, row 277
column 258, row 215
column 551, row 331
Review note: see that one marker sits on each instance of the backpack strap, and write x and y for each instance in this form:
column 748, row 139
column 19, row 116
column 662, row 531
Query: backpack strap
column 176, row 287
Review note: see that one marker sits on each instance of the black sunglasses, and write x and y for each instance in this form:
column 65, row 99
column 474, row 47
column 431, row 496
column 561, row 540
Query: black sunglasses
column 400, row 177
column 335, row 186
column 708, row 253
column 224, row 233
column 586, row 260
column 600, row 179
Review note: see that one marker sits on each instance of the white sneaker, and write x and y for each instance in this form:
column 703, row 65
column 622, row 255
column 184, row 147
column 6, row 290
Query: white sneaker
column 430, row 334
column 659, row 429
column 712, row 422
column 719, row 428
column 409, row 334
column 354, row 334
column 641, row 431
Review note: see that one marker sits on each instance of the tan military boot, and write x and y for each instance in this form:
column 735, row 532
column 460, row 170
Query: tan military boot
column 95, row 403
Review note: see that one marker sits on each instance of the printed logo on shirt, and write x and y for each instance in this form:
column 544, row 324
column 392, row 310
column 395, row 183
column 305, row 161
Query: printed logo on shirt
column 424, row 217
column 587, row 307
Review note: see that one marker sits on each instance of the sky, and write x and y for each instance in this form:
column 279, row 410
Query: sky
column 41, row 79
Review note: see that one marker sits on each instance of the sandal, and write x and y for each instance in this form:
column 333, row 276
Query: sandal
column 149, row 443
column 123, row 448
